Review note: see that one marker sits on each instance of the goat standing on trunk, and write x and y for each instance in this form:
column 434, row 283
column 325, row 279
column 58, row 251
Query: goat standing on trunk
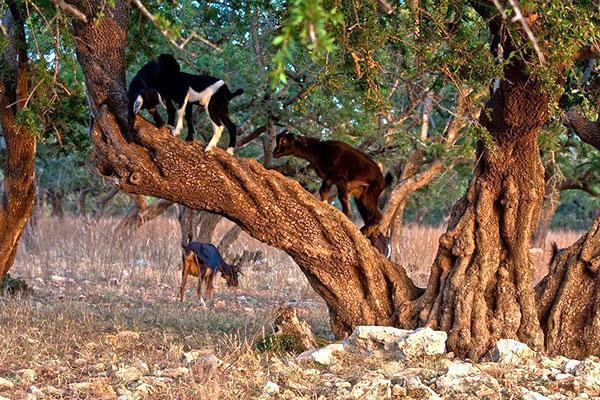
column 350, row 170
column 204, row 261
column 211, row 94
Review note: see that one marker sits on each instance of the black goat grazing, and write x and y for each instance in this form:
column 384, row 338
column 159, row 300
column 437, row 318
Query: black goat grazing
column 204, row 261
column 143, row 93
column 350, row 170
column 209, row 93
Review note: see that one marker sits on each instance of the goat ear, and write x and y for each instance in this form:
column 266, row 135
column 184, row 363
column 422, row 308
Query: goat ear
column 137, row 106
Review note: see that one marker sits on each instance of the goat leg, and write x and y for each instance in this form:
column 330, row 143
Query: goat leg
column 324, row 191
column 344, row 197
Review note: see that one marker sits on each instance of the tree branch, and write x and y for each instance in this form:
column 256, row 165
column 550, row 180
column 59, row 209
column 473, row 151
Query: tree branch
column 588, row 131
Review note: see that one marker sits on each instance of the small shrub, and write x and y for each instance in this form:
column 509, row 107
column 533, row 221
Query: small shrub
column 276, row 343
column 12, row 286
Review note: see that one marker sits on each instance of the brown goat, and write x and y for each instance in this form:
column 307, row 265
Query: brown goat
column 204, row 261
column 350, row 170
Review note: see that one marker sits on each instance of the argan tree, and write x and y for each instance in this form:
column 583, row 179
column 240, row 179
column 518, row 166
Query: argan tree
column 480, row 288
column 18, row 167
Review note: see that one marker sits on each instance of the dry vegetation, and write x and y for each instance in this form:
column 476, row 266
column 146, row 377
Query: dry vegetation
column 89, row 284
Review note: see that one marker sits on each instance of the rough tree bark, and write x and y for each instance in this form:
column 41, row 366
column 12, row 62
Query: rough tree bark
column 481, row 287
column 19, row 170
column 554, row 180
column 569, row 297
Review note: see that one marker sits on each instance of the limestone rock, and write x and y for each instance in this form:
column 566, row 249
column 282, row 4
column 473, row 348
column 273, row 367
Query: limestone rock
column 463, row 379
column 323, row 356
column 26, row 375
column 271, row 388
column 372, row 386
column 127, row 374
column 6, row 384
column 511, row 351
column 385, row 341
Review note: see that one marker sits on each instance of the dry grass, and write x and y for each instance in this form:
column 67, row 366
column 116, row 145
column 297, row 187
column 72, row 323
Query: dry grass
column 64, row 330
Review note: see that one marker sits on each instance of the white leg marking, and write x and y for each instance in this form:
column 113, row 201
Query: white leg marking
column 216, row 136
column 180, row 113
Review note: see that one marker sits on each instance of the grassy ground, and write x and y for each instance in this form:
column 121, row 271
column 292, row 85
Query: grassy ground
column 90, row 284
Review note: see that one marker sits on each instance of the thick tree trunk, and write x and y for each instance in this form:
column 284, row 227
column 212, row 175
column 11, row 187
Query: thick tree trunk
column 481, row 288
column 569, row 299
column 19, row 170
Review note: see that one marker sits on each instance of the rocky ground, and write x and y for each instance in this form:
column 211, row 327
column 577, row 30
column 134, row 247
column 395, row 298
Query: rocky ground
column 374, row 363
column 103, row 322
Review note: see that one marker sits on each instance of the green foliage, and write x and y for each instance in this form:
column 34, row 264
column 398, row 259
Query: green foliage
column 276, row 344
column 10, row 286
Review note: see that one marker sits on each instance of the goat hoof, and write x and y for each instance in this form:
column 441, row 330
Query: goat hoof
column 230, row 150
column 209, row 149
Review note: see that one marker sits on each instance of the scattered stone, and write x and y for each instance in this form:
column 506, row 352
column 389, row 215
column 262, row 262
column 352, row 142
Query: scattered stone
column 571, row 366
column 323, row 356
column 126, row 374
column 385, row 342
column 588, row 373
column 417, row 390
column 531, row 395
column 6, row 384
column 373, row 386
column 465, row 379
column 35, row 390
column 61, row 280
column 80, row 386
column 511, row 351
column 26, row 375
column 562, row 377
column 271, row 388
column 173, row 372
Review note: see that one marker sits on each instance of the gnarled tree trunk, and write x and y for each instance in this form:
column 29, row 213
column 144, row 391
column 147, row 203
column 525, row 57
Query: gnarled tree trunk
column 481, row 288
column 19, row 170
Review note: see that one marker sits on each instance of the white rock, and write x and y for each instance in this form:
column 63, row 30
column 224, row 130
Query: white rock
column 5, row 383
column 385, row 341
column 323, row 355
column 463, row 379
column 571, row 366
column 4, row 398
column 417, row 390
column 511, row 351
column 372, row 387
column 35, row 390
column 588, row 372
column 531, row 395
column 271, row 388
column 26, row 375
column 128, row 374
column 80, row 386
column 562, row 377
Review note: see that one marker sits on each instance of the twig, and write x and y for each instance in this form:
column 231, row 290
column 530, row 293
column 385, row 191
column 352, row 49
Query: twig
column 519, row 17
column 168, row 34
column 70, row 10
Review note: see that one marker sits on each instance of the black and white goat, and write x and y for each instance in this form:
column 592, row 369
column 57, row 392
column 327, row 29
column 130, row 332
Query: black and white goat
column 209, row 93
column 144, row 93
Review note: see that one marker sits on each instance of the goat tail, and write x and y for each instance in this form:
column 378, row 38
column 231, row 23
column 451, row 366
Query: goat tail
column 389, row 179
column 231, row 95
